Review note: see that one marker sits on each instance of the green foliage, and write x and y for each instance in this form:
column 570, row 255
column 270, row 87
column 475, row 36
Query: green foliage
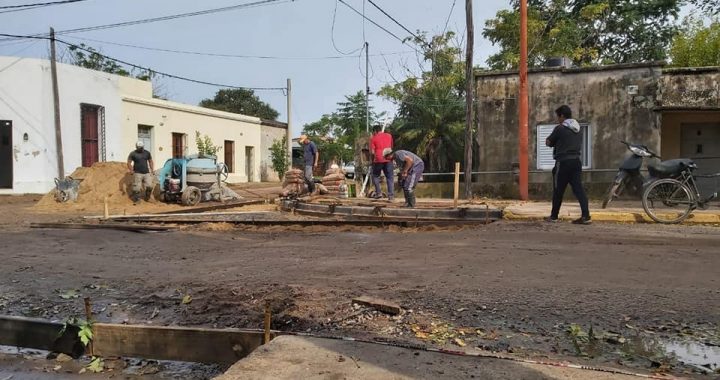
column 431, row 107
column 708, row 6
column 205, row 145
column 84, row 329
column 279, row 156
column 696, row 44
column 335, row 134
column 587, row 31
column 96, row 365
column 242, row 101
column 89, row 58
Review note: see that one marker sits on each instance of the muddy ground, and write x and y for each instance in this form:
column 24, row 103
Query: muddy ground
column 612, row 295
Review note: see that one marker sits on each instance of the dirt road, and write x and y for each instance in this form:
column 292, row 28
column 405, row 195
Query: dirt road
column 603, row 294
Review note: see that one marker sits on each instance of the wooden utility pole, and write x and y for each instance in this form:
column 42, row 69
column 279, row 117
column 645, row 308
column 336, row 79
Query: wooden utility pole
column 523, row 116
column 288, row 133
column 469, row 91
column 367, row 88
column 56, row 103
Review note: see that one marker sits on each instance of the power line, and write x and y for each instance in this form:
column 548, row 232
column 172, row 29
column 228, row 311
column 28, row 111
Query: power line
column 40, row 4
column 224, row 55
column 447, row 21
column 394, row 20
column 332, row 35
column 376, row 24
column 145, row 68
column 170, row 17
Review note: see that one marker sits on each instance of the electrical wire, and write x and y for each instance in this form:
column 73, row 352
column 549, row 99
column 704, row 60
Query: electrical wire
column 223, row 55
column 378, row 25
column 40, row 4
column 447, row 21
column 173, row 76
column 259, row 3
column 394, row 20
column 332, row 36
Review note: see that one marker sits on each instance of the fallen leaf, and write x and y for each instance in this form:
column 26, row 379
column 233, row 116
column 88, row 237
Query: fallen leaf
column 187, row 299
column 460, row 342
column 72, row 293
column 96, row 365
column 421, row 335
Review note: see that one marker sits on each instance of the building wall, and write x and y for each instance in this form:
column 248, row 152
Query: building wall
column 603, row 98
column 26, row 99
column 270, row 133
column 167, row 118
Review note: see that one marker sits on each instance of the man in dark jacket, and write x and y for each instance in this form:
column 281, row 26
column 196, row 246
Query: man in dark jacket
column 566, row 141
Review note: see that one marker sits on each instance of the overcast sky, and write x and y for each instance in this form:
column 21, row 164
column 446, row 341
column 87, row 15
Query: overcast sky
column 299, row 28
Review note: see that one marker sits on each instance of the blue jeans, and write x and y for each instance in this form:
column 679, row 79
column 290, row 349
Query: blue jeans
column 309, row 178
column 387, row 168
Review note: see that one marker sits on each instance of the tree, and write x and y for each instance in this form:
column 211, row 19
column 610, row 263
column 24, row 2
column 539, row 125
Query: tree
column 336, row 133
column 588, row 31
column 242, row 101
column 710, row 6
column 431, row 106
column 279, row 156
column 696, row 44
column 205, row 145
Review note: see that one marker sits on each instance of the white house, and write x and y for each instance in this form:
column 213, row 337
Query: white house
column 102, row 116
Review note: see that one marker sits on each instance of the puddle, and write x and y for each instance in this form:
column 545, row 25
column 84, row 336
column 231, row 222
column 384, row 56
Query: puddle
column 692, row 353
column 698, row 354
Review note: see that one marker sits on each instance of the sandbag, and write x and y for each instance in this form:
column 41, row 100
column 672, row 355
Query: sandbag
column 334, row 177
column 333, row 183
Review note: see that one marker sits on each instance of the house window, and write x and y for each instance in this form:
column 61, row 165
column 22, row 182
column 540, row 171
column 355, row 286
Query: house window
column 544, row 157
column 178, row 145
column 229, row 150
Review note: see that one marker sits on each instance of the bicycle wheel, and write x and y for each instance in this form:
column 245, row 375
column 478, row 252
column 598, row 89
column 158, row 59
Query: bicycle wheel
column 668, row 201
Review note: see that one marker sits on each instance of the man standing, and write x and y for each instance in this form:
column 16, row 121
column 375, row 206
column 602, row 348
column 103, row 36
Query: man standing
column 411, row 169
column 140, row 165
column 566, row 141
column 311, row 156
column 378, row 143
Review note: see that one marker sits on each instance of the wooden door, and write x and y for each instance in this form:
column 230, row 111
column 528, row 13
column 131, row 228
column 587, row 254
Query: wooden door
column 229, row 150
column 178, row 145
column 6, row 155
column 89, row 134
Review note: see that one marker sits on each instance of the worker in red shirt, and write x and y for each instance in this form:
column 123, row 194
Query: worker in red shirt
column 380, row 141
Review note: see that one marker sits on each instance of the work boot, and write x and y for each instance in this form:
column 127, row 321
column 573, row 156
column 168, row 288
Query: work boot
column 411, row 199
column 582, row 220
column 148, row 194
column 135, row 197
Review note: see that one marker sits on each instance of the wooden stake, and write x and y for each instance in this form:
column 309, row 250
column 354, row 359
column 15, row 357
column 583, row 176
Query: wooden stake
column 106, row 213
column 89, row 319
column 457, row 184
column 266, row 337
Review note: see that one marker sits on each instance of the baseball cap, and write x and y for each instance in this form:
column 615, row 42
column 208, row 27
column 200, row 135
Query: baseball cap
column 139, row 144
column 302, row 138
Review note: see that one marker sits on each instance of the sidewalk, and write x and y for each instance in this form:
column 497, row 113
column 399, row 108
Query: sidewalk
column 619, row 212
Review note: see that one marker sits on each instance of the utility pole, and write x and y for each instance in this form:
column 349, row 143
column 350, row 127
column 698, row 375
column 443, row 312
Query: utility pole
column 523, row 117
column 288, row 133
column 367, row 88
column 469, row 91
column 56, row 104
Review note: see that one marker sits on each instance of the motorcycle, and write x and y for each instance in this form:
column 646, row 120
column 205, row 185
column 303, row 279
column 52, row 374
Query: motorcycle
column 629, row 175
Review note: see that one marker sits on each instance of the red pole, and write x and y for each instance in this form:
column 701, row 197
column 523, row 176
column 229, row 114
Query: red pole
column 523, row 117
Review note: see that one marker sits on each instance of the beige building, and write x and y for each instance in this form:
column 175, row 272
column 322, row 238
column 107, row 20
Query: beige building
column 102, row 116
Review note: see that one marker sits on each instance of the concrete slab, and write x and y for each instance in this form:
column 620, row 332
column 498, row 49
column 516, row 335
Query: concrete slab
column 291, row 357
column 626, row 212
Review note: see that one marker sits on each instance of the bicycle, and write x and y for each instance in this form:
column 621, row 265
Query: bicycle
column 672, row 200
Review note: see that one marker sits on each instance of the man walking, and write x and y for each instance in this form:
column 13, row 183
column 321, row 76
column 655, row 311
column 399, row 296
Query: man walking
column 411, row 169
column 566, row 141
column 311, row 156
column 378, row 143
column 140, row 165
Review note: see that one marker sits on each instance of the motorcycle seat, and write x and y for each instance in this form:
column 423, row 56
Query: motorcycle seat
column 670, row 168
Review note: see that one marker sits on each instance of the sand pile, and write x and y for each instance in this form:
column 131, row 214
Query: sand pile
column 103, row 179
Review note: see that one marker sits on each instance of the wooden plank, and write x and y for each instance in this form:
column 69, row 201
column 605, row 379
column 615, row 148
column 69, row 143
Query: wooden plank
column 40, row 334
column 224, row 346
column 90, row 226
column 379, row 304
column 214, row 207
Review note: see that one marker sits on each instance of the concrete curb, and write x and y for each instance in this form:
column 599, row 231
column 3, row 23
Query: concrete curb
column 617, row 217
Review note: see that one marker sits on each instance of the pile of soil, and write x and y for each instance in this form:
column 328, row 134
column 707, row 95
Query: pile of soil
column 103, row 179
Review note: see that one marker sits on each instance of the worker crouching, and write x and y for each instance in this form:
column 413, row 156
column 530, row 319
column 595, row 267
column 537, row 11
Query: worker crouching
column 411, row 169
